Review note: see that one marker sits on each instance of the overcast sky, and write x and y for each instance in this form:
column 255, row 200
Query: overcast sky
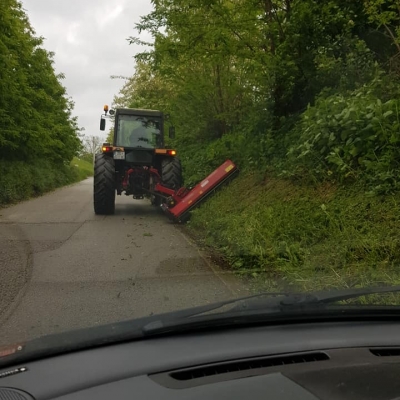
column 89, row 41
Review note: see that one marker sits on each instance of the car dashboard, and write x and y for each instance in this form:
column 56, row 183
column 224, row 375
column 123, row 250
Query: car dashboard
column 343, row 360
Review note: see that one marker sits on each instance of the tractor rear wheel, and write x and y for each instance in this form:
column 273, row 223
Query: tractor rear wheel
column 171, row 173
column 104, row 185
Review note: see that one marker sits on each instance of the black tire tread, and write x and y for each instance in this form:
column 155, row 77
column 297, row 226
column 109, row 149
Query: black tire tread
column 171, row 173
column 104, row 185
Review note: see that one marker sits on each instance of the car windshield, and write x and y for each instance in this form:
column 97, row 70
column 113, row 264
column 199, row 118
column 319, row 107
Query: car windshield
column 276, row 134
column 137, row 131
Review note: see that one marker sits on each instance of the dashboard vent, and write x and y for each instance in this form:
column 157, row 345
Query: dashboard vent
column 386, row 352
column 254, row 363
column 13, row 394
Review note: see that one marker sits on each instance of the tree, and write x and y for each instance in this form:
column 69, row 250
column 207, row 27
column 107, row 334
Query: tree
column 238, row 85
column 35, row 110
column 384, row 16
column 91, row 146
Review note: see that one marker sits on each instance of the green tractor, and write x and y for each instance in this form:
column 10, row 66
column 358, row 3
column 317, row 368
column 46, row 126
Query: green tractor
column 137, row 162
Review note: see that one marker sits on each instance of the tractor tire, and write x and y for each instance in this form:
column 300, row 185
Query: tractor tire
column 104, row 185
column 171, row 173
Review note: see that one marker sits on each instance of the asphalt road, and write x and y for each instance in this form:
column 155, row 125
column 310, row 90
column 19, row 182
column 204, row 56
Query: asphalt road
column 62, row 267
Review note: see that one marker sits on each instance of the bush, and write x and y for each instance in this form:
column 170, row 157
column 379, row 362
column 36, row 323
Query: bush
column 351, row 135
column 248, row 150
column 20, row 180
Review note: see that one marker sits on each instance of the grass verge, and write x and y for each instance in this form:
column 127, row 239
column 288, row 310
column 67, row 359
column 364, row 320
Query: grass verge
column 82, row 168
column 20, row 180
column 287, row 236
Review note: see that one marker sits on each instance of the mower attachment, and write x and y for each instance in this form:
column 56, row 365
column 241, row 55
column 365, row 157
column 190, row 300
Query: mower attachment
column 184, row 200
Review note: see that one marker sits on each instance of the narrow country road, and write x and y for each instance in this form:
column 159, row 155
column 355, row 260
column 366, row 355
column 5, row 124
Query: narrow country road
column 62, row 267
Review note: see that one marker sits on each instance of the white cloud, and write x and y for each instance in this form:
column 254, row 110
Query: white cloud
column 89, row 41
column 104, row 17
column 72, row 33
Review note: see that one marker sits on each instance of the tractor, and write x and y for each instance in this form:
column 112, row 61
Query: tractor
column 139, row 164
column 136, row 161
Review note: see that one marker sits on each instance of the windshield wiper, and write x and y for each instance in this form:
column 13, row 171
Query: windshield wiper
column 269, row 303
column 199, row 310
column 333, row 296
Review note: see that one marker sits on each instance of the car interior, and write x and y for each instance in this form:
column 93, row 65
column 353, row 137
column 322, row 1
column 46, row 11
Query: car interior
column 333, row 360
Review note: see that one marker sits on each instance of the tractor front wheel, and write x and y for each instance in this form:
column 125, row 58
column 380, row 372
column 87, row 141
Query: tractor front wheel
column 104, row 185
column 171, row 173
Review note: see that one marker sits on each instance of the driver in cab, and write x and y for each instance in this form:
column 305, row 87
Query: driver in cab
column 138, row 135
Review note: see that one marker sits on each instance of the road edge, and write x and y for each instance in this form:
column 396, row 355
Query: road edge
column 8, row 312
column 236, row 286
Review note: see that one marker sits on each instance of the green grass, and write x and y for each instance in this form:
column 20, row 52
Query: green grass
column 83, row 168
column 20, row 180
column 287, row 236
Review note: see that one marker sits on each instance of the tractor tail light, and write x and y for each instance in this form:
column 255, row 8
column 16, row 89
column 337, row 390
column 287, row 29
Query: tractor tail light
column 171, row 152
column 106, row 149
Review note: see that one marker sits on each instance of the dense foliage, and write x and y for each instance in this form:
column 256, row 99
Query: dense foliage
column 37, row 126
column 304, row 96
column 309, row 88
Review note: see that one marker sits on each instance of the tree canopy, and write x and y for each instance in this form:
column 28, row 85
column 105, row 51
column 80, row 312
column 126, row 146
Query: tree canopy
column 255, row 79
column 35, row 111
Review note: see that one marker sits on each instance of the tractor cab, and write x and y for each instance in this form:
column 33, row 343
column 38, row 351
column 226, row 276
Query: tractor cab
column 138, row 131
column 137, row 128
